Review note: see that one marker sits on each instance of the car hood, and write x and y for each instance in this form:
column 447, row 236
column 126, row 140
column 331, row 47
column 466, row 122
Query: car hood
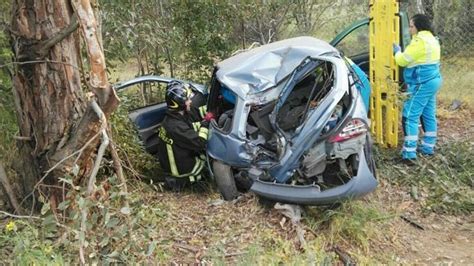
column 264, row 67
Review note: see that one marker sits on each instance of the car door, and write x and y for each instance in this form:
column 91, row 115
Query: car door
column 353, row 41
column 145, row 97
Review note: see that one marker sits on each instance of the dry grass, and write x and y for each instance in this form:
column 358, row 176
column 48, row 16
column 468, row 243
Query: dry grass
column 458, row 79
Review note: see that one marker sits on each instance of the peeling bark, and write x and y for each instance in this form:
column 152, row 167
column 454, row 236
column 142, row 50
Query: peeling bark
column 48, row 96
column 51, row 106
column 98, row 76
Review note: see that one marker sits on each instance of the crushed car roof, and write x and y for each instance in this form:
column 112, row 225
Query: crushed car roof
column 261, row 68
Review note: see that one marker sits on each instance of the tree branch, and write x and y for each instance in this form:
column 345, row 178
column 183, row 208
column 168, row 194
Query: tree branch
column 19, row 216
column 56, row 165
column 95, row 170
column 103, row 146
column 37, row 61
column 8, row 190
column 44, row 46
column 38, row 50
column 118, row 165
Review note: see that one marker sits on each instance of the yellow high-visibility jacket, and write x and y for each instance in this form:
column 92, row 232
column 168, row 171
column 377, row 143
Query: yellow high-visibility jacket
column 421, row 58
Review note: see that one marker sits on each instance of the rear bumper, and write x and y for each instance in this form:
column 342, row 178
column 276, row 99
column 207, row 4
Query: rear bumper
column 357, row 187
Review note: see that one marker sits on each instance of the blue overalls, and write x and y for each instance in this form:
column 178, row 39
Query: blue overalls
column 423, row 78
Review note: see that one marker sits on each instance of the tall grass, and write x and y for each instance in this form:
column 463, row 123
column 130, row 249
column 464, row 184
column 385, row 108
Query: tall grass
column 458, row 79
column 442, row 183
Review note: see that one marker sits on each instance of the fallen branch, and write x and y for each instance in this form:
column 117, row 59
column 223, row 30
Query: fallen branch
column 36, row 218
column 19, row 216
column 117, row 163
column 343, row 256
column 8, row 190
column 186, row 247
column 103, row 146
column 54, row 166
column 95, row 170
column 106, row 95
column 131, row 169
column 411, row 222
column 22, row 138
column 119, row 171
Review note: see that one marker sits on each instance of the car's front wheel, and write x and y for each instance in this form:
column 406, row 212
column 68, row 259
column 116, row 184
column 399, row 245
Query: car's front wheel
column 225, row 180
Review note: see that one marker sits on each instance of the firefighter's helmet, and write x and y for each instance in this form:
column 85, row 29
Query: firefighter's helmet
column 177, row 93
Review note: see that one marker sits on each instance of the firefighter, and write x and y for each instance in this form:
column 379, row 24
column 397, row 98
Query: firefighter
column 421, row 60
column 182, row 139
column 198, row 101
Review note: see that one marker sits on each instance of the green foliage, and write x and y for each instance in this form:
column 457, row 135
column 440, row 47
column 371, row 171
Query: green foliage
column 186, row 38
column 28, row 243
column 203, row 28
column 168, row 34
column 8, row 126
column 140, row 163
column 443, row 183
column 355, row 221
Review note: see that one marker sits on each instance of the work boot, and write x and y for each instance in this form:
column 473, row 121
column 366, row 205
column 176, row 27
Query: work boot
column 175, row 184
column 200, row 187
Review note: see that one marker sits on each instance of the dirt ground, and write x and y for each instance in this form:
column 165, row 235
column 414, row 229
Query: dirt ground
column 444, row 239
column 208, row 224
column 455, row 125
column 231, row 227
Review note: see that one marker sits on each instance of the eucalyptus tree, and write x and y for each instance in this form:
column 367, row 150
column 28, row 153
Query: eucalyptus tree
column 56, row 97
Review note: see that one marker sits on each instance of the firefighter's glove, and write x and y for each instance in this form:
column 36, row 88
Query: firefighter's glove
column 209, row 116
column 205, row 123
column 396, row 48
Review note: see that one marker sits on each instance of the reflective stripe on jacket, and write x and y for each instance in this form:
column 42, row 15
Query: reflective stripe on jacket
column 423, row 49
column 180, row 144
column 420, row 59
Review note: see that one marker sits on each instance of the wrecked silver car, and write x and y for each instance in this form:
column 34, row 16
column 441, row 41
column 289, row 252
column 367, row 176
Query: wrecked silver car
column 291, row 125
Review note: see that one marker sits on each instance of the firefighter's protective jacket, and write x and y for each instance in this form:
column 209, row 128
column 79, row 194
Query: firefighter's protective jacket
column 198, row 106
column 181, row 145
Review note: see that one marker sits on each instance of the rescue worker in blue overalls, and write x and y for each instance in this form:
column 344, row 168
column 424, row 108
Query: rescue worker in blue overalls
column 421, row 60
column 182, row 139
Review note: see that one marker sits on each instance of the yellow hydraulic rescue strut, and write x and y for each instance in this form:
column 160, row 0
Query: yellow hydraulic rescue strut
column 384, row 30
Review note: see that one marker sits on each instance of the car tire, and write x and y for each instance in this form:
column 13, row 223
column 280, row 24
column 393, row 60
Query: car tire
column 225, row 180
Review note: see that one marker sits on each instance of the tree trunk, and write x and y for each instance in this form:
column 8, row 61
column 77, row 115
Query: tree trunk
column 52, row 110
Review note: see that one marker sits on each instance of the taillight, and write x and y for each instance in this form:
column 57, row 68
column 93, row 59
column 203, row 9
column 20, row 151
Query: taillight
column 354, row 128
